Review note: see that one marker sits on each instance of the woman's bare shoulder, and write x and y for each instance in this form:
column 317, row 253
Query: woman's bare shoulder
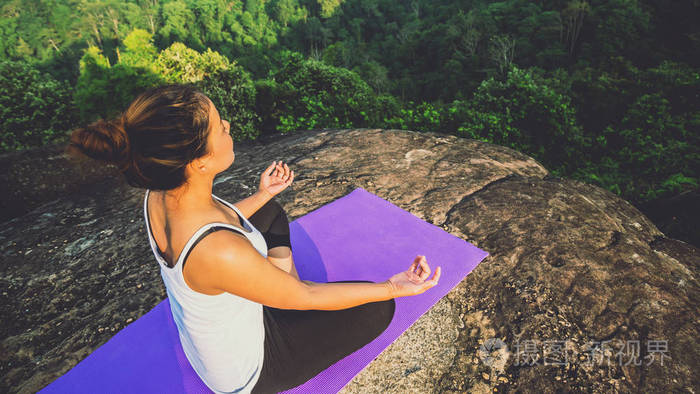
column 198, row 272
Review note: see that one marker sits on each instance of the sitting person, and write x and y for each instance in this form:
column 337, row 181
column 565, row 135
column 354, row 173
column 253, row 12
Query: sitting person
column 246, row 322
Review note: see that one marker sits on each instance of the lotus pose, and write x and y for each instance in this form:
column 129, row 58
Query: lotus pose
column 246, row 322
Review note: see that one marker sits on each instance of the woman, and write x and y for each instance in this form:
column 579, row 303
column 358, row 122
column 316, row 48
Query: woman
column 246, row 322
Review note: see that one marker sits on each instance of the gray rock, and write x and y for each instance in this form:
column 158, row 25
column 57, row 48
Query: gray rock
column 568, row 262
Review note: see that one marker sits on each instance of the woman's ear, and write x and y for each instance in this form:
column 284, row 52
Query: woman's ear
column 199, row 165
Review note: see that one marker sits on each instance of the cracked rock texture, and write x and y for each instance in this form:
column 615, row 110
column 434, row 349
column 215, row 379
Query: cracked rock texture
column 574, row 277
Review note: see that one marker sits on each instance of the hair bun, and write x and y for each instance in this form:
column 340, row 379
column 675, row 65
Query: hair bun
column 104, row 140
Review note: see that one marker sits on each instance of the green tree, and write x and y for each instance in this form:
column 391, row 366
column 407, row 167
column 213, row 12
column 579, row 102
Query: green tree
column 338, row 55
column 209, row 19
column 374, row 74
column 328, row 7
column 9, row 33
column 528, row 115
column 309, row 94
column 618, row 28
column 103, row 90
column 286, row 12
column 233, row 92
column 139, row 50
column 35, row 109
column 176, row 18
column 93, row 82
column 658, row 150
column 181, row 64
column 421, row 116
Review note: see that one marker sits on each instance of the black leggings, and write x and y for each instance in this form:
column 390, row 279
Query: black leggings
column 301, row 343
column 271, row 220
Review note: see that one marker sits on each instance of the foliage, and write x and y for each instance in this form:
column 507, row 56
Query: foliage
column 103, row 91
column 233, row 93
column 528, row 115
column 35, row 109
column 620, row 28
column 179, row 64
column 328, row 6
column 651, row 142
column 645, row 125
column 139, row 49
column 416, row 116
column 629, row 68
column 310, row 94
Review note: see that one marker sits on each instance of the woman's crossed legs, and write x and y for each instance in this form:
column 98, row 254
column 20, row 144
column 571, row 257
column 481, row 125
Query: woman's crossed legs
column 301, row 343
column 271, row 220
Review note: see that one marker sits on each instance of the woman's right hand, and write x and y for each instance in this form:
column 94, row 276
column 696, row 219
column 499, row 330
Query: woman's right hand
column 413, row 281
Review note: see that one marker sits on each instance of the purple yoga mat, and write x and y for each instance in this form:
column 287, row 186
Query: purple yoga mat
column 357, row 237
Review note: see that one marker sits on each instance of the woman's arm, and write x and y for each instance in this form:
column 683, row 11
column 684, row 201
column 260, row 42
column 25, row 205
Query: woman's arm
column 249, row 205
column 227, row 261
column 335, row 296
column 273, row 180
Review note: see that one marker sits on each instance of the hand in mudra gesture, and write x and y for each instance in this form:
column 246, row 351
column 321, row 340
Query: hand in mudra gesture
column 413, row 281
column 276, row 178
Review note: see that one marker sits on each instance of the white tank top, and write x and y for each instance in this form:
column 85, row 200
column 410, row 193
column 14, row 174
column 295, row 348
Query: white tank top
column 221, row 335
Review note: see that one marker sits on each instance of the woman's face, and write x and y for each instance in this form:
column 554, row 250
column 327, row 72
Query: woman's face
column 219, row 141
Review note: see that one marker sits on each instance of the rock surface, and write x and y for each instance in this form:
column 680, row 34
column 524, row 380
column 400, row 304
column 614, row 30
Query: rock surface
column 33, row 177
column 570, row 264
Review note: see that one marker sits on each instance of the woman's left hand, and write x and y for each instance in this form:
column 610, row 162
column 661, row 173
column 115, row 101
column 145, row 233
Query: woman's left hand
column 276, row 178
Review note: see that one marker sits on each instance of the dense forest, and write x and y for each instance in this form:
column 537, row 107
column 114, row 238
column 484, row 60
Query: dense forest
column 605, row 92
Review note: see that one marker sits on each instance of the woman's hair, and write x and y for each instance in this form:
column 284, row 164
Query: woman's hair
column 163, row 129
